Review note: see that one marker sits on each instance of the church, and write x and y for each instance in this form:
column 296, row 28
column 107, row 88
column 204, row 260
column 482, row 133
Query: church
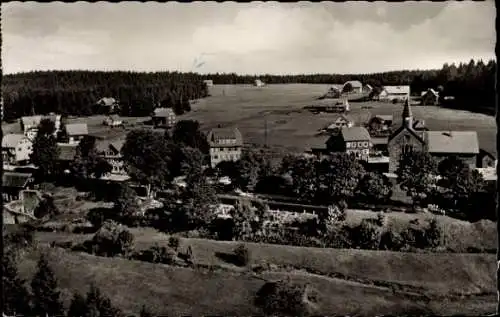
column 440, row 144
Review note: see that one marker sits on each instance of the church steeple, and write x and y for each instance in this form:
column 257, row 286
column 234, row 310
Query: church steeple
column 407, row 115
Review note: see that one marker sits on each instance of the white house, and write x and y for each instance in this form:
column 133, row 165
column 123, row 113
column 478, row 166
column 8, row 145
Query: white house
column 113, row 121
column 258, row 83
column 16, row 149
column 225, row 145
column 76, row 132
column 356, row 86
column 209, row 82
column 391, row 93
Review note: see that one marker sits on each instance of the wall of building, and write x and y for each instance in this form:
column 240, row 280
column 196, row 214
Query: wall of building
column 469, row 160
column 219, row 154
column 360, row 149
column 395, row 148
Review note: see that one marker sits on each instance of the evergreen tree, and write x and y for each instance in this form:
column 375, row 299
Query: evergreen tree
column 78, row 306
column 46, row 297
column 15, row 296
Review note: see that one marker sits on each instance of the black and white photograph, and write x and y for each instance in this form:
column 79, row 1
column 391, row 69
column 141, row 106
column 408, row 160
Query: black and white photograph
column 249, row 159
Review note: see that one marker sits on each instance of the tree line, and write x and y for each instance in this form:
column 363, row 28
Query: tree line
column 76, row 92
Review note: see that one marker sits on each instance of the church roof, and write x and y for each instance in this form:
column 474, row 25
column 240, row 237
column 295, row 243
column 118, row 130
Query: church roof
column 463, row 142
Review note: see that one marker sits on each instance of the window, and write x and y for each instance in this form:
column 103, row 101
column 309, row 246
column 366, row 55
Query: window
column 365, row 144
column 407, row 148
column 353, row 145
column 360, row 144
column 215, row 157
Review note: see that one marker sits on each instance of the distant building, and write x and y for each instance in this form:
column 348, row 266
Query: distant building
column 356, row 86
column 67, row 152
column 208, row 82
column 380, row 125
column 394, row 93
column 225, row 145
column 334, row 91
column 342, row 121
column 16, row 149
column 29, row 124
column 353, row 140
column 258, row 83
column 485, row 159
column 329, row 105
column 163, row 117
column 430, row 97
column 13, row 183
column 111, row 152
column 367, row 88
column 76, row 132
column 107, row 105
column 440, row 144
column 113, row 121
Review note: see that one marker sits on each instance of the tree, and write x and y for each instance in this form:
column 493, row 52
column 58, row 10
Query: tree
column 125, row 204
column 375, row 187
column 303, row 172
column 187, row 132
column 347, row 88
column 417, row 175
column 45, row 154
column 98, row 305
column 46, row 297
column 78, row 306
column 145, row 312
column 112, row 239
column 243, row 217
column 15, row 296
column 46, row 127
column 462, row 189
column 450, row 167
column 147, row 157
column 46, row 207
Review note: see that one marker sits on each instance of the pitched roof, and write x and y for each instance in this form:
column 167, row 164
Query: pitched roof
column 401, row 129
column 318, row 142
column 397, row 89
column 11, row 140
column 77, row 129
column 388, row 117
column 377, row 141
column 163, row 112
column 216, row 135
column 355, row 134
column 432, row 91
column 465, row 142
column 15, row 179
column 67, row 152
column 31, row 120
column 106, row 101
column 354, row 83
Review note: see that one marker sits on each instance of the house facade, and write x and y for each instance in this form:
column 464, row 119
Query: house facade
column 258, row 83
column 225, row 145
column 111, row 152
column 485, row 159
column 430, row 97
column 16, row 149
column 13, row 183
column 354, row 141
column 76, row 132
column 394, row 93
column 163, row 117
column 356, row 87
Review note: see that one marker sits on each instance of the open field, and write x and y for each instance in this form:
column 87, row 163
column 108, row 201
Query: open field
column 349, row 281
column 294, row 129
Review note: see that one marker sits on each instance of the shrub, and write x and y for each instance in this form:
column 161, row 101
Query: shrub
column 156, row 254
column 174, row 242
column 392, row 241
column 338, row 237
column 433, row 234
column 414, row 237
column 112, row 239
column 242, row 255
column 367, row 235
column 381, row 219
column 285, row 298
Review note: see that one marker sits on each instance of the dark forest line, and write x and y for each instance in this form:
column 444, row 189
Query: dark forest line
column 75, row 92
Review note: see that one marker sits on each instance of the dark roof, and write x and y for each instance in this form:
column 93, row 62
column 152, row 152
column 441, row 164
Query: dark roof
column 67, row 152
column 401, row 128
column 452, row 142
column 217, row 135
column 15, row 179
column 484, row 153
column 355, row 134
column 104, row 145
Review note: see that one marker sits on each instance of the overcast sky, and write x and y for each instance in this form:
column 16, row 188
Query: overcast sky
column 245, row 38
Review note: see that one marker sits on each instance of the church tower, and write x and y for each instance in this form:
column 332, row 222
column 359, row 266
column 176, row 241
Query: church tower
column 407, row 115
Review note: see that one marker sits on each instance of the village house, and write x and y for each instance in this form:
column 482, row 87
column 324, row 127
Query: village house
column 163, row 117
column 430, row 97
column 440, row 144
column 380, row 125
column 76, row 132
column 113, row 121
column 16, row 149
column 334, row 91
column 353, row 140
column 67, row 154
column 208, row 82
column 29, row 124
column 107, row 105
column 342, row 121
column 355, row 87
column 111, row 152
column 394, row 93
column 258, row 83
column 13, row 183
column 485, row 159
column 367, row 88
column 225, row 145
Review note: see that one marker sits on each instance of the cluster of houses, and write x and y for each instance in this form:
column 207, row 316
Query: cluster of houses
column 379, row 144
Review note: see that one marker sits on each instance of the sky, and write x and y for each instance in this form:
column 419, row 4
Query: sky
column 245, row 38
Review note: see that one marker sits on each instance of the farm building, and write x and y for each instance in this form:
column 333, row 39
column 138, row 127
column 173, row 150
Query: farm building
column 16, row 149
column 29, row 124
column 430, row 97
column 353, row 140
column 13, row 183
column 440, row 144
column 340, row 122
column 208, row 82
column 353, row 86
column 107, row 105
column 163, row 117
column 225, row 145
column 76, row 132
column 113, row 121
column 394, row 93
column 258, row 83
column 111, row 152
column 333, row 92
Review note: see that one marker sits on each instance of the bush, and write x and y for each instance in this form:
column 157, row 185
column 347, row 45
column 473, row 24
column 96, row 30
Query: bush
column 156, row 254
column 367, row 235
column 242, row 255
column 433, row 234
column 338, row 237
column 174, row 242
column 112, row 239
column 381, row 219
column 285, row 298
column 392, row 241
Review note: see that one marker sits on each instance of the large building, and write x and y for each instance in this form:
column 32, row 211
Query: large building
column 76, row 132
column 29, row 124
column 440, row 144
column 352, row 140
column 225, row 145
column 356, row 87
column 394, row 93
column 16, row 149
